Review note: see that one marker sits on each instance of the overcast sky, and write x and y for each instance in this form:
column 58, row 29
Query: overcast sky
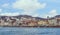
column 36, row 8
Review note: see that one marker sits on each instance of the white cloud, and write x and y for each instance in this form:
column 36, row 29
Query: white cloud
column 9, row 14
column 52, row 13
column 29, row 6
column 36, row 15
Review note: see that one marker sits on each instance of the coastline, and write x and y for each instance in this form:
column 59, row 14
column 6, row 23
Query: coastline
column 34, row 26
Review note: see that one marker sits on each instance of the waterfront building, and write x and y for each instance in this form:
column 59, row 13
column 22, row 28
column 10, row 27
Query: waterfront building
column 52, row 21
column 43, row 22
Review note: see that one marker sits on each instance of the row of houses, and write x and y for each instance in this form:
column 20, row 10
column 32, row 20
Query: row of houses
column 25, row 20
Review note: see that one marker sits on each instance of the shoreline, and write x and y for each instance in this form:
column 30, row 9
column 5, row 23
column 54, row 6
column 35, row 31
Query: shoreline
column 34, row 26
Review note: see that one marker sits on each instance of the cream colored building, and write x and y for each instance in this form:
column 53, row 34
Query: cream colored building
column 52, row 22
column 43, row 23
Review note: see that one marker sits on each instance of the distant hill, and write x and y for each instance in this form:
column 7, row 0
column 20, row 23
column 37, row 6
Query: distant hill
column 28, row 16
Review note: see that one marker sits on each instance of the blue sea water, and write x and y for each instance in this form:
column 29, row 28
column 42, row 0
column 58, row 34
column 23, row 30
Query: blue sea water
column 29, row 31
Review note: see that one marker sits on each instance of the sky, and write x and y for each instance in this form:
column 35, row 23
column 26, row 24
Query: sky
column 35, row 8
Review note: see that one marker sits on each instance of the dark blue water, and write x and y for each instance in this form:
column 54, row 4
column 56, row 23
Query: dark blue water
column 29, row 31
